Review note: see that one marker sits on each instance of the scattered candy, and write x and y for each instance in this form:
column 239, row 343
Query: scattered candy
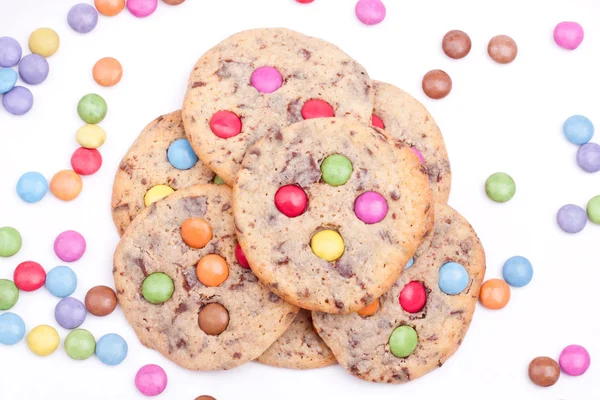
column 571, row 218
column 86, row 161
column 500, row 187
column 92, row 108
column 241, row 257
column 32, row 187
column 291, row 201
column 206, row 397
column 266, row 79
column 403, row 341
column 593, row 209
column 157, row 288
column 181, row 155
column 437, row 84
column 370, row 12
column 370, row 207
column 316, row 108
column 568, row 35
column 369, row 310
column 69, row 246
column 90, row 136
column 9, row 294
column 453, row 278
column 225, row 124
column 29, row 276
column 176, row 2
column 517, row 271
column 44, row 41
column 34, row 69
column 70, row 313
column 10, row 241
column 327, row 244
column 418, row 154
column 376, row 121
column 80, row 344
column 410, row 263
column 336, row 170
column 18, row 101
column 588, row 157
column 151, row 380
column 502, row 49
column 301, row 2
column 544, row 371
column 413, row 297
column 456, row 44
column 100, row 301
column 43, row 340
column 494, row 294
column 111, row 349
column 196, row 232
column 82, row 18
column 218, row 180
column 578, row 129
column 142, row 8
column 574, row 360
column 12, row 329
column 107, row 72
column 212, row 270
column 157, row 193
column 8, row 79
column 66, row 185
column 109, row 8
column 10, row 52
column 213, row 319
column 61, row 281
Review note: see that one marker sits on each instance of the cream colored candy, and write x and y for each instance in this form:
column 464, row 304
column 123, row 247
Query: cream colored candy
column 44, row 41
column 90, row 136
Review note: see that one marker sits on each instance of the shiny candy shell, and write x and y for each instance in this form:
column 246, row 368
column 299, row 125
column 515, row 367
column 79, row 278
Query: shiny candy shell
column 43, row 340
column 12, row 329
column 494, row 294
column 403, row 341
column 157, row 288
column 10, row 241
column 291, row 200
column 9, row 294
column 90, row 136
column 328, row 245
column 80, row 344
column 61, row 281
column 44, row 41
column 151, row 380
column 29, row 276
column 453, row 278
column 181, row 155
column 413, row 297
column 157, row 193
column 111, row 349
column 517, row 271
column 32, row 187
column 8, row 79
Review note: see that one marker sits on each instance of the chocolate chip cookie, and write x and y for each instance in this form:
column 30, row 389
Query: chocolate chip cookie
column 423, row 319
column 257, row 82
column 147, row 165
column 189, row 298
column 329, row 211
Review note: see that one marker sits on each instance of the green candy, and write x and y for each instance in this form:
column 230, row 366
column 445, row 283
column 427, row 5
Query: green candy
column 80, row 344
column 593, row 209
column 9, row 294
column 500, row 187
column 336, row 170
column 10, row 241
column 403, row 341
column 218, row 180
column 157, row 288
column 92, row 108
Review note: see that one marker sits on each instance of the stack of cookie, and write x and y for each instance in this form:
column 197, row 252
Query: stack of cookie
column 330, row 239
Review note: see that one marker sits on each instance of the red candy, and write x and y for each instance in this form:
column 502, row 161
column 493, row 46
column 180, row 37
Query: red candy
column 29, row 276
column 291, row 200
column 304, row 1
column 86, row 161
column 413, row 297
column 241, row 257
column 225, row 124
column 376, row 121
column 316, row 108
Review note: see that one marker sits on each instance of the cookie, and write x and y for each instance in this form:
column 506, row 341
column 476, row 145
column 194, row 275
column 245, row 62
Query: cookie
column 147, row 165
column 415, row 312
column 259, row 81
column 300, row 347
column 200, row 318
column 404, row 118
column 329, row 211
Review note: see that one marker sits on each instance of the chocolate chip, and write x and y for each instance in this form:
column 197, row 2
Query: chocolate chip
column 144, row 181
column 343, row 267
column 273, row 298
column 225, row 207
column 195, row 205
column 121, row 207
column 198, row 84
column 394, row 195
column 278, row 135
column 160, row 119
column 182, row 307
column 213, row 319
column 254, row 151
column 126, row 167
column 190, row 280
column 339, row 304
column 237, row 355
column 181, row 343
column 306, row 54
column 141, row 265
column 385, row 235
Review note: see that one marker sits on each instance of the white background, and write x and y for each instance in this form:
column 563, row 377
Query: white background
column 497, row 118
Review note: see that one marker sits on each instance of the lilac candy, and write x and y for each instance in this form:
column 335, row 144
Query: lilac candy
column 34, row 69
column 370, row 207
column 82, row 18
column 571, row 218
column 69, row 246
column 70, row 313
column 10, row 52
column 588, row 157
column 18, row 101
column 574, row 360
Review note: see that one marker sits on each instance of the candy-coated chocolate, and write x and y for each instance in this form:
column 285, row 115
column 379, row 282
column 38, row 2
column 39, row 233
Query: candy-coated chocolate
column 410, row 263
column 500, row 187
column 436, row 84
column 10, row 241
column 82, row 18
column 588, row 157
column 213, row 319
column 29, row 276
column 111, row 349
column 370, row 12
column 86, row 161
column 317, row 108
column 453, row 278
column 212, row 270
column 225, row 124
column 9, row 294
column 376, row 121
column 218, row 180
column 12, row 329
column 544, row 371
column 502, row 49
column 291, row 200
column 336, row 170
column 173, row 2
column 66, row 185
column 241, row 257
column 593, row 209
column 151, row 380
column 578, row 129
column 181, row 155
column 8, row 79
column 157, row 288
column 206, row 397
column 403, row 341
column 32, row 187
column 456, row 44
column 44, row 41
column 70, row 313
column 494, row 294
column 574, row 360
column 370, row 309
column 100, row 301
column 266, row 79
column 80, row 344
column 370, row 207
column 109, row 8
column 157, row 193
column 517, row 271
column 61, row 281
column 90, row 136
column 18, row 100
column 107, row 71
column 568, row 35
column 327, row 244
column 196, row 232
column 571, row 218
column 10, row 52
column 418, row 154
column 92, row 108
column 413, row 297
column 142, row 8
column 43, row 340
column 69, row 246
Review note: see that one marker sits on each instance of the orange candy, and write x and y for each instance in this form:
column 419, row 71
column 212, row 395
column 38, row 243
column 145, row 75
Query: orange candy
column 370, row 309
column 107, row 71
column 66, row 185
column 196, row 232
column 110, row 8
column 212, row 270
column 494, row 294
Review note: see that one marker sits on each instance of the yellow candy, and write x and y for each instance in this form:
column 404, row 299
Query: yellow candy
column 327, row 245
column 44, row 41
column 157, row 193
column 43, row 340
column 90, row 136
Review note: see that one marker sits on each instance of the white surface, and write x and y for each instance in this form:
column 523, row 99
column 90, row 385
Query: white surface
column 497, row 118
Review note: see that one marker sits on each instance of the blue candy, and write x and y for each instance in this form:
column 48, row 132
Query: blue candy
column 181, row 155
column 517, row 271
column 8, row 79
column 410, row 263
column 61, row 281
column 111, row 349
column 453, row 278
column 32, row 187
column 578, row 129
column 12, row 328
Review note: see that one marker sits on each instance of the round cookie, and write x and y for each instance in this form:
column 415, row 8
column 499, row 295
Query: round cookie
column 146, row 165
column 361, row 344
column 404, row 118
column 257, row 82
column 323, row 256
column 185, row 320
column 300, row 347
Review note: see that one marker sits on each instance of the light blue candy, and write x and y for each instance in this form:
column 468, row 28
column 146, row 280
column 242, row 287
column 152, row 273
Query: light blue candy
column 578, row 129
column 453, row 278
column 32, row 187
column 61, row 281
column 111, row 349
column 517, row 271
column 181, row 155
column 410, row 263
column 12, row 328
column 8, row 79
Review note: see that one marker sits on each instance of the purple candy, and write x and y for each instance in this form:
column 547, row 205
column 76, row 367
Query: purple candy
column 370, row 207
column 34, row 69
column 588, row 157
column 10, row 52
column 574, row 360
column 571, row 218
column 18, row 101
column 69, row 246
column 70, row 313
column 82, row 18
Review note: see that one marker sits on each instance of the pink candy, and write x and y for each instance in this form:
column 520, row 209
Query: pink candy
column 69, row 246
column 370, row 207
column 418, row 153
column 568, row 35
column 151, row 380
column 142, row 8
column 370, row 12
column 574, row 360
column 266, row 79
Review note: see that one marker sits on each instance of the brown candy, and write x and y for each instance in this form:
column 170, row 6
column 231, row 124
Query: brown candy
column 502, row 49
column 437, row 84
column 173, row 2
column 100, row 301
column 205, row 397
column 544, row 371
column 456, row 44
column 213, row 319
